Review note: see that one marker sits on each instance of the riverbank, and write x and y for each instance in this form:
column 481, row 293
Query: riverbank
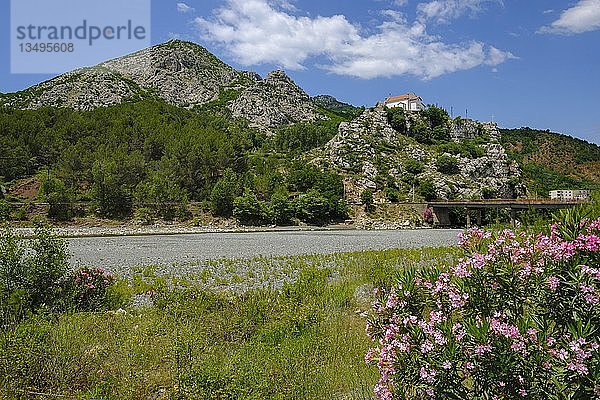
column 186, row 337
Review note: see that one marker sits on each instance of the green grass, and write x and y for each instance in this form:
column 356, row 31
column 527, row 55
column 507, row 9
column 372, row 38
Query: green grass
column 305, row 340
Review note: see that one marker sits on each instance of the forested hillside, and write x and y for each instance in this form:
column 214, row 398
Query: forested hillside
column 553, row 161
column 157, row 157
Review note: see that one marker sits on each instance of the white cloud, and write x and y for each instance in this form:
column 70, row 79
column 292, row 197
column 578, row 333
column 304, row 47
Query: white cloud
column 184, row 8
column 443, row 11
column 582, row 17
column 256, row 32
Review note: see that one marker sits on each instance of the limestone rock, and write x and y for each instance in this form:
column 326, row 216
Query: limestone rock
column 368, row 147
column 274, row 101
column 182, row 73
column 83, row 89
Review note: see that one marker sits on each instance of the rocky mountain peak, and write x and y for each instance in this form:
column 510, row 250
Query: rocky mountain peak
column 276, row 100
column 182, row 73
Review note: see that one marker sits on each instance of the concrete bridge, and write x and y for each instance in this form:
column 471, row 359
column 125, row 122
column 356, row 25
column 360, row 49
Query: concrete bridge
column 442, row 216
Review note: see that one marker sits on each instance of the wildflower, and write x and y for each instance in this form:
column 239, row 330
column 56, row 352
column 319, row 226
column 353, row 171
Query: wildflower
column 553, row 283
column 480, row 350
column 371, row 354
column 458, row 331
column 427, row 373
column 426, row 347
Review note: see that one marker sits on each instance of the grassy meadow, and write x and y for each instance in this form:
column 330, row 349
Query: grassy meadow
column 195, row 337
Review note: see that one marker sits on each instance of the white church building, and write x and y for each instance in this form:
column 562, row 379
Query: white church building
column 408, row 101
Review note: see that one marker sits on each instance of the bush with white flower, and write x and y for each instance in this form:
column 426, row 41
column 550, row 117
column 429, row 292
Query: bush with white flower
column 517, row 317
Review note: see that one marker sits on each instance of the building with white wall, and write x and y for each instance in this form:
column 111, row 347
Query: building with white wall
column 570, row 194
column 408, row 101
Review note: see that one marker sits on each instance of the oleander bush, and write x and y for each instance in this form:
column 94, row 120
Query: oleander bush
column 517, row 317
column 35, row 278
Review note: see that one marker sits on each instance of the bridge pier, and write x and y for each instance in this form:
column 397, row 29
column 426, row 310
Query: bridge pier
column 513, row 217
column 441, row 216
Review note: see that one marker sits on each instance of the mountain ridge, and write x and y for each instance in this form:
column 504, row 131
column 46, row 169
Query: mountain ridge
column 181, row 73
column 183, row 113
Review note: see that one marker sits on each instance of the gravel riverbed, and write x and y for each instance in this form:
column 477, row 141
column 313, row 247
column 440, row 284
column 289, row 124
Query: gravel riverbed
column 120, row 253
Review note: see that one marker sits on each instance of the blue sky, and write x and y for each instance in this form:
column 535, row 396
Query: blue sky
column 521, row 63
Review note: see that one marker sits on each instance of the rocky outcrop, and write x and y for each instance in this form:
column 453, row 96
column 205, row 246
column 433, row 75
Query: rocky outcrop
column 83, row 89
column 182, row 73
column 274, row 101
column 471, row 129
column 332, row 104
column 370, row 154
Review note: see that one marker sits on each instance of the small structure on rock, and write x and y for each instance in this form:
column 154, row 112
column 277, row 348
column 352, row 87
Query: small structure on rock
column 408, row 101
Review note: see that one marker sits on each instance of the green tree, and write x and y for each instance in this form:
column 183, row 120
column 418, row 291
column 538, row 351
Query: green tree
column 447, row 164
column 32, row 274
column 436, row 116
column 249, row 210
column 397, row 119
column 160, row 193
column 427, row 190
column 54, row 191
column 366, row 198
column 414, row 167
column 314, row 208
column 280, row 207
column 223, row 194
column 110, row 196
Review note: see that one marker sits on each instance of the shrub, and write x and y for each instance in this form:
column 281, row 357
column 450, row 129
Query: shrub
column 144, row 215
column 223, row 194
column 413, row 166
column 90, row 288
column 427, row 189
column 32, row 274
column 58, row 196
column 392, row 194
column 428, row 215
column 447, row 164
column 517, row 317
column 249, row 210
column 280, row 208
column 4, row 210
column 366, row 198
column 397, row 119
column 315, row 208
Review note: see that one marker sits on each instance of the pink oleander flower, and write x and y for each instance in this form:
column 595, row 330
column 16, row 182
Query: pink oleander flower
column 553, row 283
column 481, row 350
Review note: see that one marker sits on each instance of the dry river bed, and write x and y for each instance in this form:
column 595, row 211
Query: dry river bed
column 120, row 253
